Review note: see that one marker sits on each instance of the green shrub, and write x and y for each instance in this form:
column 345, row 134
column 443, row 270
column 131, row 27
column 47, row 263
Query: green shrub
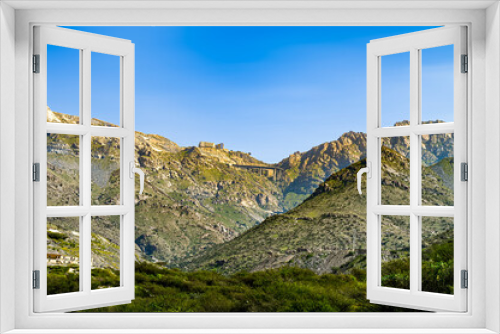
column 56, row 235
column 287, row 289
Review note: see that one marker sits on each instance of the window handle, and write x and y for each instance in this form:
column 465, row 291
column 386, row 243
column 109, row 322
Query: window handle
column 134, row 170
column 368, row 172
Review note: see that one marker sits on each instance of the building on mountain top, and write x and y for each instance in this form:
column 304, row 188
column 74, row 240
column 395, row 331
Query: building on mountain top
column 205, row 144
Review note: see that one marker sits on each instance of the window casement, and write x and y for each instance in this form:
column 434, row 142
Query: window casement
column 413, row 211
column 82, row 212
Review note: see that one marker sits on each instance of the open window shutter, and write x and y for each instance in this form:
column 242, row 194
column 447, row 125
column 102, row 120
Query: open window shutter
column 407, row 222
column 78, row 240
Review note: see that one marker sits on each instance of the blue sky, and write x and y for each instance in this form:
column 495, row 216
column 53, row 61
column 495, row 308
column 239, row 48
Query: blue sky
column 270, row 91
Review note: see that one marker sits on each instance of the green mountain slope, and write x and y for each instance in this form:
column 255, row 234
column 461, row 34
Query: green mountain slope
column 327, row 230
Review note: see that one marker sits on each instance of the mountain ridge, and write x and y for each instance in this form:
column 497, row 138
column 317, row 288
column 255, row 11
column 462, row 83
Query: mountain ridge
column 306, row 170
column 196, row 198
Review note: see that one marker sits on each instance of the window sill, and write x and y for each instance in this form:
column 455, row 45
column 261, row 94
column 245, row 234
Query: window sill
column 252, row 331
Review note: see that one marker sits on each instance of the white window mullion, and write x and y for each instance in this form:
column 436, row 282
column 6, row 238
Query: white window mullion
column 86, row 194
column 127, row 277
column 434, row 128
column 76, row 129
column 422, row 129
column 394, row 210
column 395, row 131
column 378, row 252
column 86, row 251
column 123, row 264
column 415, row 166
column 86, row 87
column 124, row 173
column 103, row 131
column 81, row 132
column 82, row 105
column 86, row 177
column 373, row 183
column 82, row 254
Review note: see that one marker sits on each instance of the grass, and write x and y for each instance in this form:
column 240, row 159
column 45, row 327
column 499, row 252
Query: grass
column 291, row 200
column 65, row 279
column 214, row 174
column 287, row 289
column 230, row 215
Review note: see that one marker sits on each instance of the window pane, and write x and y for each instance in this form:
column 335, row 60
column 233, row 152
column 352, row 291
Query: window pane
column 395, row 235
column 105, row 252
column 105, row 171
column 395, row 89
column 437, row 84
column 437, row 169
column 395, row 170
column 63, row 253
column 63, row 170
column 437, row 254
column 63, row 84
column 105, row 89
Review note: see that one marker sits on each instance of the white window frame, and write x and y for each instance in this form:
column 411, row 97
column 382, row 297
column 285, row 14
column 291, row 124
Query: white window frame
column 86, row 44
column 484, row 211
column 414, row 43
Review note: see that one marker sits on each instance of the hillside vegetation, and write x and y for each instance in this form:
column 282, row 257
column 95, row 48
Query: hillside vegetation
column 329, row 228
column 287, row 289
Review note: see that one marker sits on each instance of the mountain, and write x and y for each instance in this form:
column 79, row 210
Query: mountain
column 329, row 228
column 305, row 171
column 207, row 211
column 193, row 197
column 196, row 198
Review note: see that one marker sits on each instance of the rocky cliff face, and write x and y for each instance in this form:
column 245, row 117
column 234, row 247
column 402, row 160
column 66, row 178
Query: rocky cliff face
column 306, row 170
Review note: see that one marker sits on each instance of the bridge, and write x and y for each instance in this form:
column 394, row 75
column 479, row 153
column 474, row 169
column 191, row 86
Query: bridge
column 269, row 170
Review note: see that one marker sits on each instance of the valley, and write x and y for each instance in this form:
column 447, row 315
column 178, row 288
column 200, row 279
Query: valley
column 201, row 211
